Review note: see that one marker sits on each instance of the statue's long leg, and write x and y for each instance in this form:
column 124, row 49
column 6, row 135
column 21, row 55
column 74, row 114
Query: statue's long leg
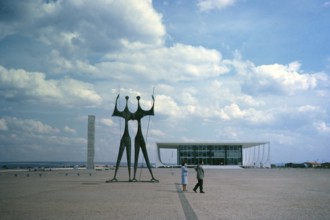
column 120, row 154
column 128, row 154
column 145, row 154
column 136, row 157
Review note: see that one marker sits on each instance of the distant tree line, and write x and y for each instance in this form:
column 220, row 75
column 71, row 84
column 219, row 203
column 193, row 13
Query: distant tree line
column 305, row 165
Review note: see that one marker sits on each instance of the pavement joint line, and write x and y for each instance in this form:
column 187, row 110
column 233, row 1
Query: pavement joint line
column 188, row 211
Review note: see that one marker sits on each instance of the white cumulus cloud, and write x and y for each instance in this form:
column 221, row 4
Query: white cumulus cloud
column 279, row 79
column 3, row 125
column 30, row 125
column 69, row 130
column 206, row 5
column 176, row 63
column 107, row 121
column 322, row 127
column 18, row 83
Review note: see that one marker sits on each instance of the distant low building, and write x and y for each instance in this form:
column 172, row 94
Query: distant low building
column 312, row 164
column 246, row 154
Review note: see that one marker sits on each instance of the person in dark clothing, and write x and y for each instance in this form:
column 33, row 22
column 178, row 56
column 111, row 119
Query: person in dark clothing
column 200, row 176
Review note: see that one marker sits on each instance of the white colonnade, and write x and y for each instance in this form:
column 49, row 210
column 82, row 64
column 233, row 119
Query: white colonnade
column 257, row 156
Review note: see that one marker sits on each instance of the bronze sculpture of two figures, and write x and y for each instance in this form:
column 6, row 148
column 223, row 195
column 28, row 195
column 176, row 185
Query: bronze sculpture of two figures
column 125, row 141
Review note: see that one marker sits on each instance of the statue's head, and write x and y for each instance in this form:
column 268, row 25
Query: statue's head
column 126, row 97
column 138, row 97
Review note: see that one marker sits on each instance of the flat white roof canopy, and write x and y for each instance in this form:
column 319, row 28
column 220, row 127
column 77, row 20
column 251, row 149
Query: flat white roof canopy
column 174, row 145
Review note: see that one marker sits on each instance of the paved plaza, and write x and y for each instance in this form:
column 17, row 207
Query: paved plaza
column 230, row 194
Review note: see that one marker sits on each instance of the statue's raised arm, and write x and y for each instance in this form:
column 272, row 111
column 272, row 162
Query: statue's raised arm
column 153, row 105
column 126, row 113
column 140, row 113
column 116, row 112
column 151, row 111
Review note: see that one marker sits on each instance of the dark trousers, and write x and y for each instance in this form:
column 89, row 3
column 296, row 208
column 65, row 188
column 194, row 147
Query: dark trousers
column 199, row 184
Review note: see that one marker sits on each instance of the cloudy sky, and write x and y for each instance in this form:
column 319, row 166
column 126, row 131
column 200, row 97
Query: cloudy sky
column 220, row 71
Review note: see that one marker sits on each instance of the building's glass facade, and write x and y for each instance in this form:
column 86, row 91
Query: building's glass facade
column 210, row 154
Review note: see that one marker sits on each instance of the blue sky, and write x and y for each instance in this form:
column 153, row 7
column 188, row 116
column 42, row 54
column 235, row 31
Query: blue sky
column 221, row 70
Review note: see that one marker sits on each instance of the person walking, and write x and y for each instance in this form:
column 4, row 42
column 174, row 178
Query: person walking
column 184, row 176
column 200, row 176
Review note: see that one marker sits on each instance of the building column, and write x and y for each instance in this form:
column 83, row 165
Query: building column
column 245, row 157
column 262, row 161
column 267, row 163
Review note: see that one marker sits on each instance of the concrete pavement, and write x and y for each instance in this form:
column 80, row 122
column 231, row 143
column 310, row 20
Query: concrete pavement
column 230, row 194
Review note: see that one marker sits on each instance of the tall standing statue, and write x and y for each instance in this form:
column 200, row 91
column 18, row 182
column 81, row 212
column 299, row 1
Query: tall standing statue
column 139, row 140
column 125, row 141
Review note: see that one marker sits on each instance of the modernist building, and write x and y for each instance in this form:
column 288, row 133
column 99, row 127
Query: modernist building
column 90, row 141
column 241, row 154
